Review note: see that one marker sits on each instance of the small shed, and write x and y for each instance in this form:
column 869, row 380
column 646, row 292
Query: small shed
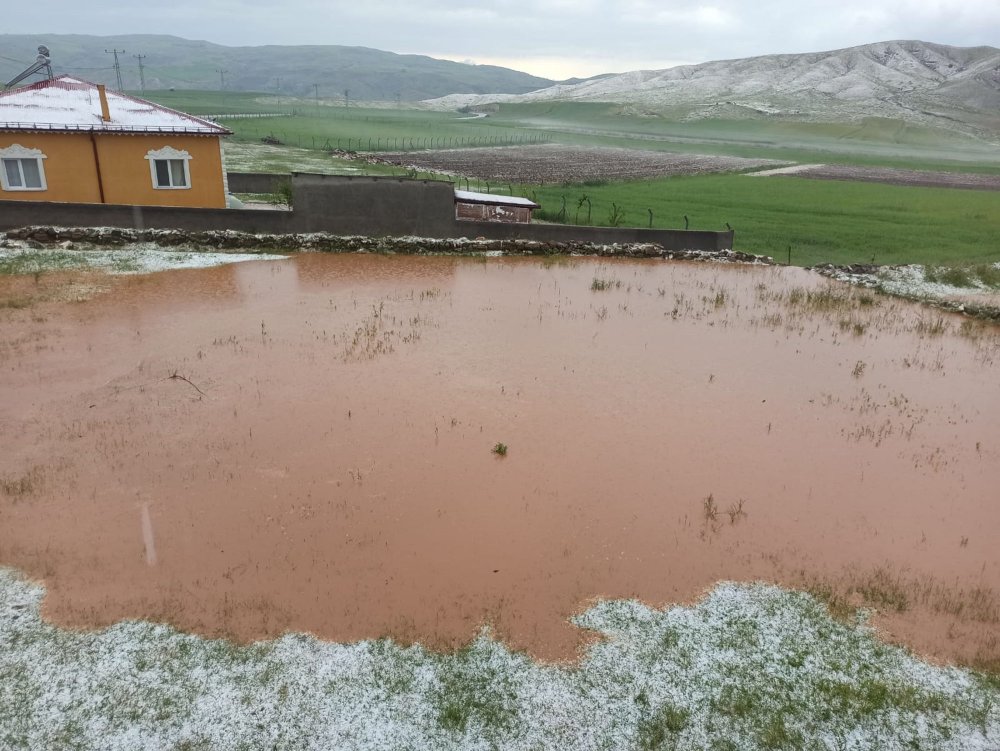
column 487, row 207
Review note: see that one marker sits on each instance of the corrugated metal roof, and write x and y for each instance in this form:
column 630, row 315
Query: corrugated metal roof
column 465, row 196
column 71, row 104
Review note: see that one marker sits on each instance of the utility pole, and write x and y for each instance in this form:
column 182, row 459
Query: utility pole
column 277, row 85
column 316, row 88
column 222, row 77
column 398, row 98
column 118, row 68
column 142, row 75
column 347, row 97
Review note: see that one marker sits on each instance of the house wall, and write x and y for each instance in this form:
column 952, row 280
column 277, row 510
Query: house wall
column 492, row 213
column 127, row 177
column 71, row 173
column 69, row 167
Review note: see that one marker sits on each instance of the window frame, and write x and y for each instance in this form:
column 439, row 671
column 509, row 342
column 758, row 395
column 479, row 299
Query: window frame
column 18, row 153
column 169, row 154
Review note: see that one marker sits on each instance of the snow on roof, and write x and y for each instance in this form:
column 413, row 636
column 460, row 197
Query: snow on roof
column 67, row 103
column 466, row 196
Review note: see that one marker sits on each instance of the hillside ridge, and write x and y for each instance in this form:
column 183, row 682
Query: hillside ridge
column 923, row 82
column 173, row 62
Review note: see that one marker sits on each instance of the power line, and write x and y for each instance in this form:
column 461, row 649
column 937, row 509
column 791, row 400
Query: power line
column 142, row 76
column 168, row 73
column 222, row 77
column 118, row 68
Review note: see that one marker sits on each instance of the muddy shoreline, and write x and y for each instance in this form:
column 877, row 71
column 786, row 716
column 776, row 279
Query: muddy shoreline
column 307, row 445
column 861, row 275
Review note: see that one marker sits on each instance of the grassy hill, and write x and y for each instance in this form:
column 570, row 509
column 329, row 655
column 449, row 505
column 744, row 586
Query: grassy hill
column 172, row 62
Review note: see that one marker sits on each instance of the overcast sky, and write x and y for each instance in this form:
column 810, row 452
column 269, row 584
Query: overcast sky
column 551, row 38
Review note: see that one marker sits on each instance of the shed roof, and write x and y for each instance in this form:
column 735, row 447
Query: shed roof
column 71, row 104
column 465, row 196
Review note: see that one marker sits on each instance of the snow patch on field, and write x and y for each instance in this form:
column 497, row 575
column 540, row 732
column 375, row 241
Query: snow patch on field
column 911, row 280
column 750, row 667
column 794, row 169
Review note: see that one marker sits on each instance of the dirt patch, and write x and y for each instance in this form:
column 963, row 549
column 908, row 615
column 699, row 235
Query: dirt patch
column 309, row 444
column 557, row 164
column 895, row 176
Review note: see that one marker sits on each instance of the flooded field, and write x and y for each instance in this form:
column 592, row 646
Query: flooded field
column 359, row 446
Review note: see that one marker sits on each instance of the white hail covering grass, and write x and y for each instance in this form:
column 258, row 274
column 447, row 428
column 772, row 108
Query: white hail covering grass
column 750, row 667
column 910, row 280
column 132, row 259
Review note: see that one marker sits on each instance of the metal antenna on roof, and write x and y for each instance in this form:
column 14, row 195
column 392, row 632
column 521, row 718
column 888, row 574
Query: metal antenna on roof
column 118, row 68
column 42, row 62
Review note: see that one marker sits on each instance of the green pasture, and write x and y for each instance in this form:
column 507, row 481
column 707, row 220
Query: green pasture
column 820, row 220
column 326, row 126
column 874, row 141
column 217, row 102
column 330, row 125
column 356, row 129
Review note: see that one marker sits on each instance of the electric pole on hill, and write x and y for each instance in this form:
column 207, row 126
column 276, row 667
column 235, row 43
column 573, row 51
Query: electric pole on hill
column 142, row 74
column 222, row 77
column 347, row 97
column 118, row 68
column 316, row 88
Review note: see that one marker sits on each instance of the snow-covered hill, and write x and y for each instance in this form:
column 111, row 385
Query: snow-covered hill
column 916, row 81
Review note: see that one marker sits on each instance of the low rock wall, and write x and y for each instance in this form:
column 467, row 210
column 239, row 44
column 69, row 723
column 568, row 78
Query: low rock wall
column 44, row 236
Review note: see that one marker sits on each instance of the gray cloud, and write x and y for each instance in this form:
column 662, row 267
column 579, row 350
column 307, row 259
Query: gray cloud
column 555, row 37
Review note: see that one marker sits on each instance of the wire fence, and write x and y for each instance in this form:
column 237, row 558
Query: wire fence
column 391, row 143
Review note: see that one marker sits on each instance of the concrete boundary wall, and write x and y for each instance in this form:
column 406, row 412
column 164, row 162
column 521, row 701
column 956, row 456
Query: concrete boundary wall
column 347, row 205
column 255, row 182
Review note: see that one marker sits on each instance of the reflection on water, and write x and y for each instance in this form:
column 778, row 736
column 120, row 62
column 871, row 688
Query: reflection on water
column 307, row 444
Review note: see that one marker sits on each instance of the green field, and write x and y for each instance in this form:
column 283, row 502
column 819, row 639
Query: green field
column 217, row 102
column 821, row 220
column 356, row 129
column 330, row 125
column 875, row 141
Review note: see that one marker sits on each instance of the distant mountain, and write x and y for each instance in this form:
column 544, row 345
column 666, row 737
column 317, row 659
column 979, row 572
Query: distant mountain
column 172, row 62
column 933, row 84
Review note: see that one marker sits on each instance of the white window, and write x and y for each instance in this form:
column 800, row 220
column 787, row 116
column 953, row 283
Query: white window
column 169, row 168
column 22, row 169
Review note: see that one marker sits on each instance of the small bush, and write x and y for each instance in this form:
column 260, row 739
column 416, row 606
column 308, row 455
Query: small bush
column 283, row 193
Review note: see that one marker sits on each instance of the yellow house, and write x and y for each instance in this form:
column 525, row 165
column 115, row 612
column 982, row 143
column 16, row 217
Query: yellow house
column 73, row 141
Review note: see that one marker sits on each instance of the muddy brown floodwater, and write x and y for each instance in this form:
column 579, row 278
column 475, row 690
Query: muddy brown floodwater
column 308, row 445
